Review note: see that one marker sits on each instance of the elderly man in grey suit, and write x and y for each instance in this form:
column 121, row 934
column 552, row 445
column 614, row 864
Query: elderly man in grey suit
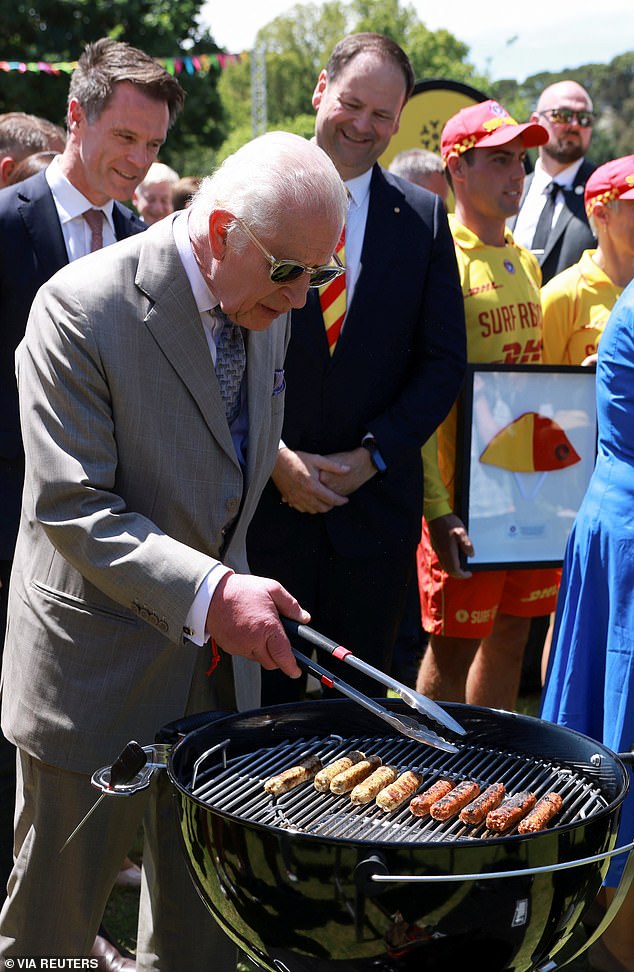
column 145, row 460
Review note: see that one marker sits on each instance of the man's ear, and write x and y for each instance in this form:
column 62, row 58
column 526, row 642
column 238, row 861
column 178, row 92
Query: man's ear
column 219, row 222
column 601, row 214
column 7, row 165
column 455, row 165
column 75, row 114
column 320, row 87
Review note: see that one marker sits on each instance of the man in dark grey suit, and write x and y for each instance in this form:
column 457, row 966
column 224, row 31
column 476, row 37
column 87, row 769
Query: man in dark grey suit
column 144, row 465
column 552, row 220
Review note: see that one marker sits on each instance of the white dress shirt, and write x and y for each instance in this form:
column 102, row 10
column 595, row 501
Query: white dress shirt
column 356, row 219
column 531, row 209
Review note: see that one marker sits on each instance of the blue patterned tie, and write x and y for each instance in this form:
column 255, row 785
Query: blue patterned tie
column 230, row 364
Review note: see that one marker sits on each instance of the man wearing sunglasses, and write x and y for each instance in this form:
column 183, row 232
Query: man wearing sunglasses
column 552, row 220
column 340, row 519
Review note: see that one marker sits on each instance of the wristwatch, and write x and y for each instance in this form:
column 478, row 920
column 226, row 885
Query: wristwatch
column 369, row 442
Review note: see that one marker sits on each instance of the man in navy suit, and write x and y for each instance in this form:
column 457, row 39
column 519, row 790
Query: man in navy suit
column 121, row 103
column 340, row 518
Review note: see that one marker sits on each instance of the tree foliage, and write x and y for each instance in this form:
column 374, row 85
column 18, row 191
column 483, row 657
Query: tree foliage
column 298, row 44
column 611, row 87
column 58, row 30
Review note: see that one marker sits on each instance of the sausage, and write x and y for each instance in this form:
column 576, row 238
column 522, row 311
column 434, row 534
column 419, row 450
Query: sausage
column 476, row 811
column 420, row 804
column 543, row 812
column 457, row 798
column 325, row 776
column 346, row 781
column 512, row 810
column 373, row 784
column 293, row 776
column 403, row 788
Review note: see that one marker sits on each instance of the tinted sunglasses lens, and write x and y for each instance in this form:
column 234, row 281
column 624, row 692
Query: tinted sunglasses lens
column 285, row 271
column 564, row 116
column 323, row 276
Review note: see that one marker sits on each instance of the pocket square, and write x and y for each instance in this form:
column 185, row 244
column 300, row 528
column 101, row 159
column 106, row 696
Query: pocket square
column 279, row 381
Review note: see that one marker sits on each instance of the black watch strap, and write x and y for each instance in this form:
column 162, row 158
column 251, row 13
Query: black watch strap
column 379, row 463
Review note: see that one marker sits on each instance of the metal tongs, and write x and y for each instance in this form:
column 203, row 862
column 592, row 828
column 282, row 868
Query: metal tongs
column 402, row 723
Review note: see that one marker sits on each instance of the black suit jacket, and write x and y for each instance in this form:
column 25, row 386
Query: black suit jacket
column 571, row 234
column 32, row 249
column 396, row 370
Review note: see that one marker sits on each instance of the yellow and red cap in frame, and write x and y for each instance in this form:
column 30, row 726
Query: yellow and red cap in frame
column 486, row 124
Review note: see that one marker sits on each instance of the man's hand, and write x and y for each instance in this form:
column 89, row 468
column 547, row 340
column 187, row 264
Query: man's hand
column 243, row 618
column 448, row 538
column 298, row 477
column 356, row 468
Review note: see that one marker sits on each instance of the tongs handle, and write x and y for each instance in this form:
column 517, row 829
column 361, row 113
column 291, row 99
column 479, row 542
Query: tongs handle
column 414, row 699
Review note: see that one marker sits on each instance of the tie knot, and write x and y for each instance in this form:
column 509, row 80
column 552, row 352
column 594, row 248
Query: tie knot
column 553, row 189
column 94, row 218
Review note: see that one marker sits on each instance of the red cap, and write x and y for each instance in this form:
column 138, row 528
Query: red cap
column 486, row 124
column 614, row 180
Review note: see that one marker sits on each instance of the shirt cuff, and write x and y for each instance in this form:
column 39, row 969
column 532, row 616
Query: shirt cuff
column 196, row 619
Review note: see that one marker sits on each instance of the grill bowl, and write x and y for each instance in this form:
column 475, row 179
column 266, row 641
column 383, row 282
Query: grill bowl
column 301, row 895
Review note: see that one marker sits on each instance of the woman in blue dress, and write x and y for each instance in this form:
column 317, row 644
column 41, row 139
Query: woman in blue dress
column 589, row 685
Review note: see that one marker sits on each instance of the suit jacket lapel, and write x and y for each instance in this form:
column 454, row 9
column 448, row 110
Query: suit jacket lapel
column 174, row 321
column 574, row 206
column 39, row 214
column 382, row 231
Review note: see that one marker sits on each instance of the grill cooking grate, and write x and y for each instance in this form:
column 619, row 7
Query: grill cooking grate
column 234, row 786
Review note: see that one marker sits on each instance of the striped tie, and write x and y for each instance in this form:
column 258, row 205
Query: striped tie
column 94, row 218
column 332, row 297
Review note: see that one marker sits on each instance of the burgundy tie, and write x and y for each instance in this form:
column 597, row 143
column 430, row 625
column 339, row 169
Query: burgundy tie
column 94, row 218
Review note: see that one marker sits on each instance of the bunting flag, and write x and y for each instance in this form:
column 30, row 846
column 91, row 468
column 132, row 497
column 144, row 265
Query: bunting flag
column 191, row 64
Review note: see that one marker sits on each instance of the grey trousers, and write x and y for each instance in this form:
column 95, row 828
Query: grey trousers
column 56, row 901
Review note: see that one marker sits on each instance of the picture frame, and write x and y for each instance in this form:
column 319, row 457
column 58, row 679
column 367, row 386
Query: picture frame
column 526, row 451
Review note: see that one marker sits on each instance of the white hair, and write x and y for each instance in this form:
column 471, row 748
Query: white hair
column 269, row 176
column 158, row 172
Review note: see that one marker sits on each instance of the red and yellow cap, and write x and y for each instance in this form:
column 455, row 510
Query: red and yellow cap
column 614, row 180
column 486, row 124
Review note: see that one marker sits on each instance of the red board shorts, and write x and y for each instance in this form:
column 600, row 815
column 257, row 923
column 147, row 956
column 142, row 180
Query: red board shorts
column 467, row 608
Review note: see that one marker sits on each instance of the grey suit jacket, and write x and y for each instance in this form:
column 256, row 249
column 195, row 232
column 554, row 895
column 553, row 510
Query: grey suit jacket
column 133, row 491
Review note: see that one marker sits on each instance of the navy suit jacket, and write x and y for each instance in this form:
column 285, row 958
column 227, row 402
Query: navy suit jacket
column 571, row 234
column 396, row 370
column 32, row 249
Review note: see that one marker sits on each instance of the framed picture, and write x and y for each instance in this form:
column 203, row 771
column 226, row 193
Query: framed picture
column 527, row 453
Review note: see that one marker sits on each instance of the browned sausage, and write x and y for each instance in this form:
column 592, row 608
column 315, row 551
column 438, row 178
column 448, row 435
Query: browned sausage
column 346, row 781
column 325, row 776
column 373, row 784
column 421, row 803
column 512, row 810
column 541, row 814
column 293, row 776
column 449, row 805
column 476, row 811
column 391, row 797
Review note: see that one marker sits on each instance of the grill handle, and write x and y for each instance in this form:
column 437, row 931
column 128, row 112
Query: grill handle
column 379, row 875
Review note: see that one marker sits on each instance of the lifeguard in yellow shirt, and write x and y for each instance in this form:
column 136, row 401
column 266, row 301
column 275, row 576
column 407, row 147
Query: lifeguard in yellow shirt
column 478, row 624
column 577, row 303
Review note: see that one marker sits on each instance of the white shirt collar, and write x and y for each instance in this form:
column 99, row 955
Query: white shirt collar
column 205, row 299
column 359, row 188
column 565, row 178
column 70, row 202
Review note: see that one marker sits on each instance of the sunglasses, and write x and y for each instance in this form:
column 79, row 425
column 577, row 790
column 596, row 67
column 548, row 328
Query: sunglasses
column 564, row 116
column 285, row 271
